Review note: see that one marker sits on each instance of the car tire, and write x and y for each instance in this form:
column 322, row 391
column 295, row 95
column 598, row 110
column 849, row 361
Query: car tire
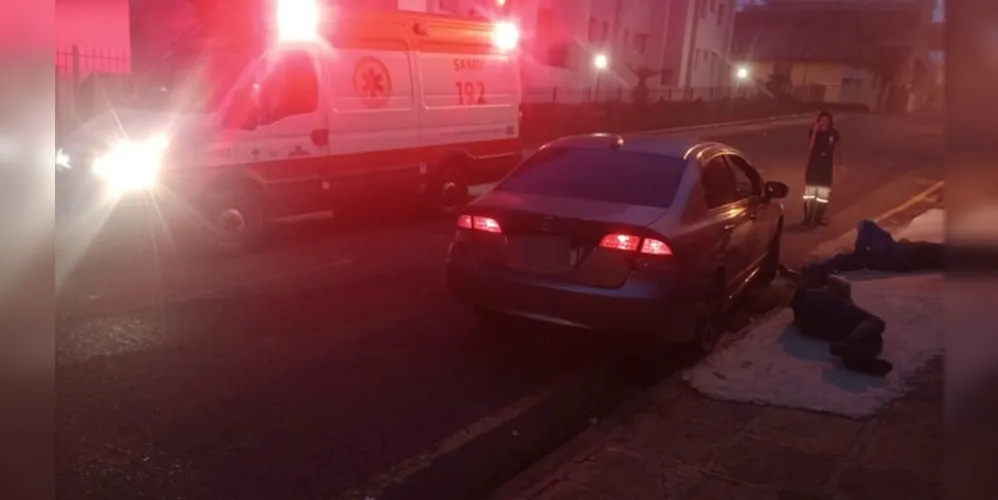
column 770, row 266
column 708, row 321
column 449, row 192
column 233, row 221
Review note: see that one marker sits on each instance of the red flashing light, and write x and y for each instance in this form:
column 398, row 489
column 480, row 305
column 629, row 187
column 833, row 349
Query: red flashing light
column 474, row 222
column 628, row 243
column 297, row 20
column 505, row 36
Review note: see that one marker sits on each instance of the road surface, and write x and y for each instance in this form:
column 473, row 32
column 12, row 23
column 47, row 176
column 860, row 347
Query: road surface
column 335, row 366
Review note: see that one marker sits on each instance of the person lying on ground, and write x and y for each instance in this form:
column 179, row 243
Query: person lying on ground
column 823, row 310
column 876, row 249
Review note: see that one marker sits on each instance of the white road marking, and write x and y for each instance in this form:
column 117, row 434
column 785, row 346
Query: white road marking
column 422, row 461
column 845, row 241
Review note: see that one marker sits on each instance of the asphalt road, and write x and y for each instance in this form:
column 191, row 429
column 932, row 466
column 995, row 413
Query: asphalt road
column 334, row 365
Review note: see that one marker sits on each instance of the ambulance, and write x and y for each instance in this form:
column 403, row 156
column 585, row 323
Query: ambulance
column 332, row 108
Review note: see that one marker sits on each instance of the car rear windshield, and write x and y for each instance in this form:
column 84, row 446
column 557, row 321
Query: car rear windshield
column 599, row 175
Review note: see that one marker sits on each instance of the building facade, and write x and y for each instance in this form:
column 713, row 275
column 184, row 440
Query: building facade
column 685, row 42
column 866, row 53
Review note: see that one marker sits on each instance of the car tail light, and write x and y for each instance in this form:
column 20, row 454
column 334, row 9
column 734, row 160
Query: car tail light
column 655, row 247
column 478, row 223
column 630, row 243
column 620, row 242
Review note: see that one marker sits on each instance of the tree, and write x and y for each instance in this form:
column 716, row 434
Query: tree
column 640, row 93
column 778, row 84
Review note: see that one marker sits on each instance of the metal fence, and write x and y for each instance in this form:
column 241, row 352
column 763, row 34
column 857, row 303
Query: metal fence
column 86, row 81
column 814, row 93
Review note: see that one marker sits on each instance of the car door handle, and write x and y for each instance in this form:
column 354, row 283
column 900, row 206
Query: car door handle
column 320, row 137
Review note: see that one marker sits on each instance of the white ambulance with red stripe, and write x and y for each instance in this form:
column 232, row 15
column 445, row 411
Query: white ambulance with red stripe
column 333, row 108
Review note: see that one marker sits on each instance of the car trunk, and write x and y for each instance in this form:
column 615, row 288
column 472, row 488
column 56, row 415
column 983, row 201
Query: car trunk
column 559, row 238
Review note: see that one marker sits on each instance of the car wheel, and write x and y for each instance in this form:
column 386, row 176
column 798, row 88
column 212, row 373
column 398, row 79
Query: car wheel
column 770, row 266
column 708, row 322
column 234, row 221
column 450, row 193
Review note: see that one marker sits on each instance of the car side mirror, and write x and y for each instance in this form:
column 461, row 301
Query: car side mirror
column 776, row 190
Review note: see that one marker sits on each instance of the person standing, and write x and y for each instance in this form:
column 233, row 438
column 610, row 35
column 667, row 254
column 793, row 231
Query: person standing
column 822, row 157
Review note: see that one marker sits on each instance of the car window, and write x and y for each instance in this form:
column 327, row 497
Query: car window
column 290, row 88
column 718, row 182
column 599, row 175
column 747, row 180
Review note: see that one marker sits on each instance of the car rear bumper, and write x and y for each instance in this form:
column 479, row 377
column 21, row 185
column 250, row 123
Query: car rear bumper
column 640, row 306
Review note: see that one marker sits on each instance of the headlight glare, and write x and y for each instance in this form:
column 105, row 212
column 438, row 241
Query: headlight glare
column 131, row 166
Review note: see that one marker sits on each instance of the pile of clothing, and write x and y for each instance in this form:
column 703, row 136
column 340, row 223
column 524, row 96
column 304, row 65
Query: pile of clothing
column 823, row 306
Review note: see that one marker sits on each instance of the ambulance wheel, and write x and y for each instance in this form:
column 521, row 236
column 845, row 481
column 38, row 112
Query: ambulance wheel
column 234, row 221
column 450, row 192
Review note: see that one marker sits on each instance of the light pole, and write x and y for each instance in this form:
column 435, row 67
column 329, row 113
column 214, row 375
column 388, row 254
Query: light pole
column 600, row 62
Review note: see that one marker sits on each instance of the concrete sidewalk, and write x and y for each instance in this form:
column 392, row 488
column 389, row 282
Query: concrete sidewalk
column 874, row 439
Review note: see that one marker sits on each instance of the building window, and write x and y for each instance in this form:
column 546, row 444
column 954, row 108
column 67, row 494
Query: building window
column 703, row 9
column 696, row 58
column 713, row 5
column 559, row 56
column 720, row 15
column 593, row 29
column 640, row 43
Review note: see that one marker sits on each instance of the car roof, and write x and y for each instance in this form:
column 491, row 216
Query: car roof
column 639, row 143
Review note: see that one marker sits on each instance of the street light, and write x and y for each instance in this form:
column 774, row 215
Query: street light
column 600, row 62
column 742, row 73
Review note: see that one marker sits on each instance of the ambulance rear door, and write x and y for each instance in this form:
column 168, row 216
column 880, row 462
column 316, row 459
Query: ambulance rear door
column 471, row 97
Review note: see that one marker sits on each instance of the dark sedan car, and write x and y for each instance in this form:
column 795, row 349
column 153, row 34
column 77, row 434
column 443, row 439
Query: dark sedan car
column 641, row 233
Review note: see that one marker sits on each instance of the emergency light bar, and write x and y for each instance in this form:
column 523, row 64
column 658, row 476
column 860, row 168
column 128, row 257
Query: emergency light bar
column 297, row 20
column 505, row 36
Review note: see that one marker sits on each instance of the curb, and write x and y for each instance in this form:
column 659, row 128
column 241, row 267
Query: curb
column 542, row 474
column 704, row 126
column 845, row 240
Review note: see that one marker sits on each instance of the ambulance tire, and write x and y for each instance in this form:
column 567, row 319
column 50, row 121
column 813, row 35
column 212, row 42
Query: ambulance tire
column 234, row 221
column 449, row 193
